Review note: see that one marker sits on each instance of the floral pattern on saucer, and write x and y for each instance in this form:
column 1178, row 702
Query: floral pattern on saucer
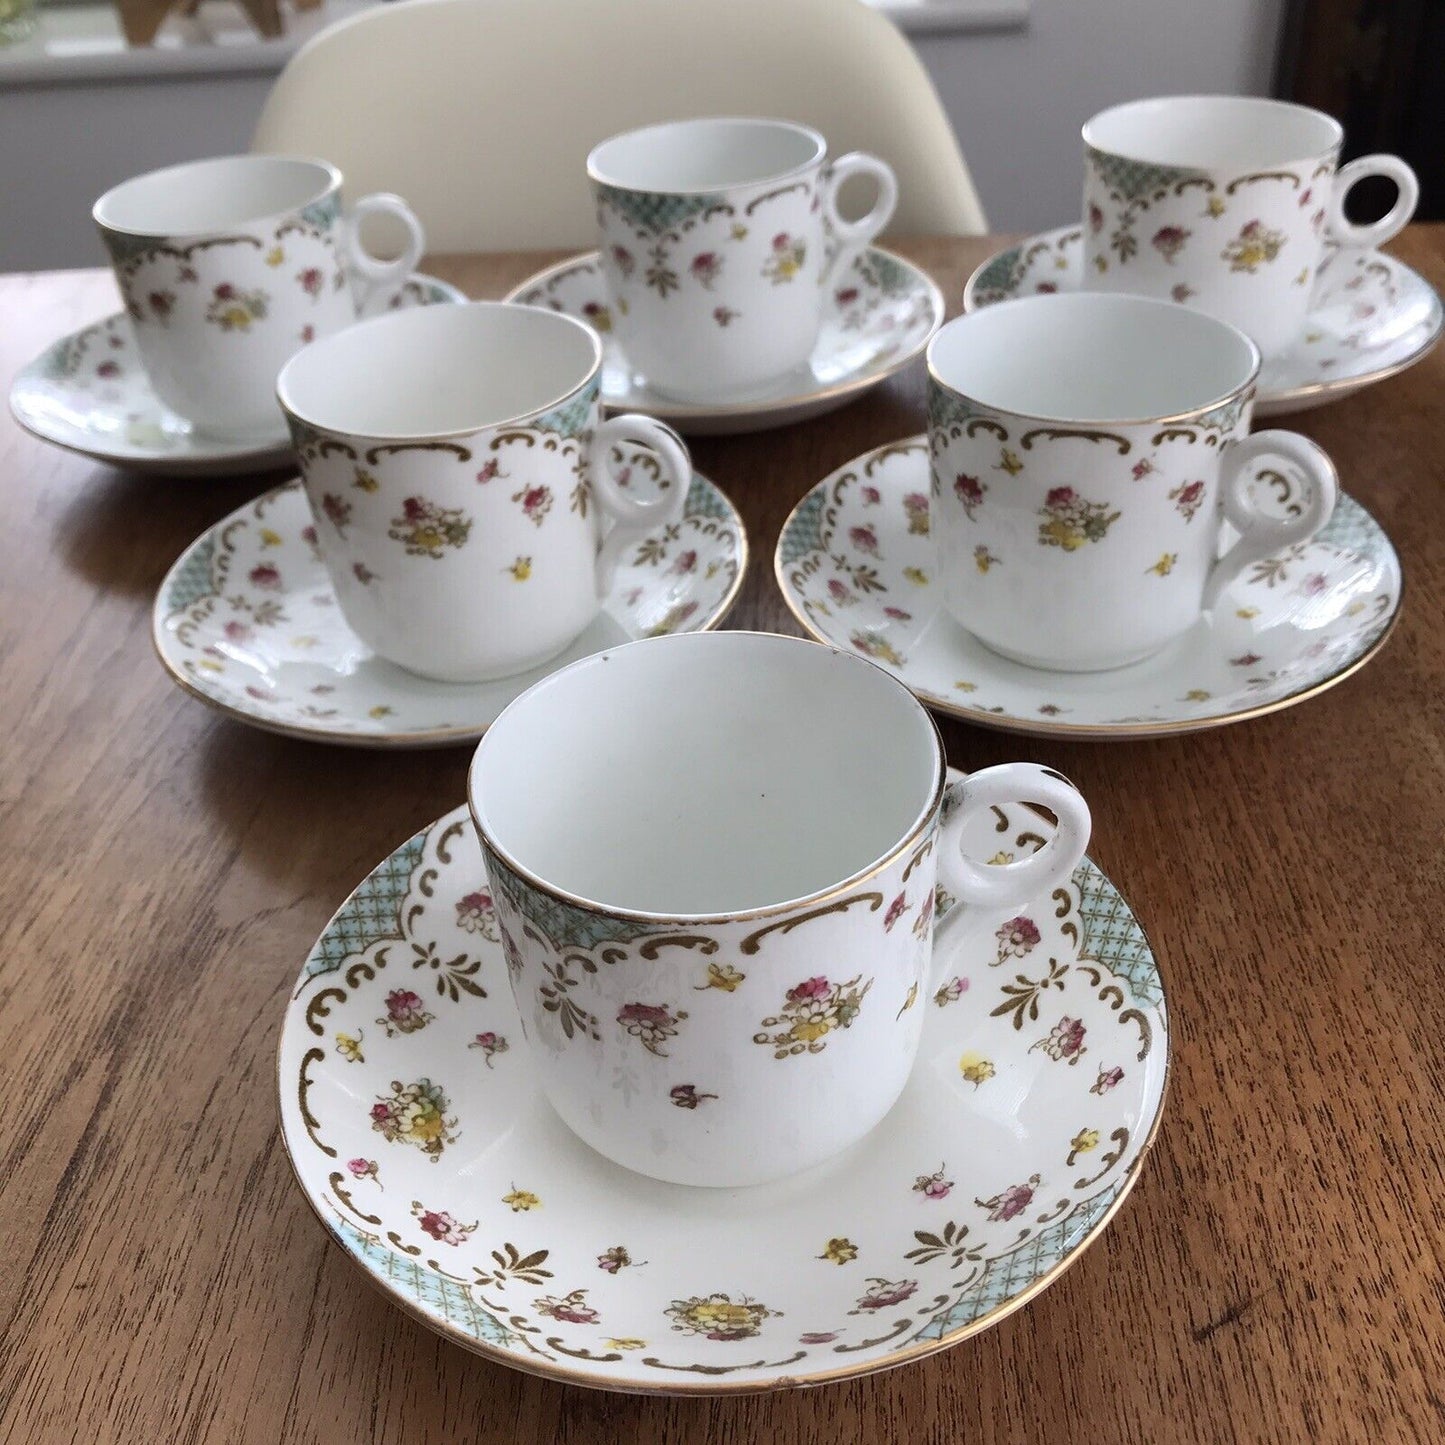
column 464, row 1198
column 858, row 573
column 1371, row 315
column 89, row 392
column 881, row 314
column 247, row 620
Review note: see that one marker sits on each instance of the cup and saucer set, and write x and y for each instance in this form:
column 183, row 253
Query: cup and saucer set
column 591, row 1075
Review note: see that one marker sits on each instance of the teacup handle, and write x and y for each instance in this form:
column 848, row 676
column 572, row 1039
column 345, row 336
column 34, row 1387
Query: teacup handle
column 1347, row 233
column 852, row 236
column 1261, row 535
column 1002, row 886
column 633, row 516
column 370, row 275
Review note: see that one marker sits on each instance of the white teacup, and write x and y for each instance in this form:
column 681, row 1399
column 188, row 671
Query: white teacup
column 229, row 266
column 460, row 478
column 1223, row 202
column 715, row 239
column 713, row 857
column 1086, row 453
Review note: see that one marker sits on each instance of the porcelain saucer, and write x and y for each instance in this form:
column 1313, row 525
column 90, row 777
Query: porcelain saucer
column 419, row 1135
column 855, row 564
column 247, row 621
column 90, row 394
column 878, row 318
column 1371, row 316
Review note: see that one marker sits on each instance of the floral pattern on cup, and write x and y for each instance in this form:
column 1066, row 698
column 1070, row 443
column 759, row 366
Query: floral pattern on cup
column 416, row 1114
column 1255, row 246
column 719, row 1317
column 651, row 1024
column 1069, row 520
column 405, row 1013
column 427, row 530
column 230, row 309
column 811, row 1011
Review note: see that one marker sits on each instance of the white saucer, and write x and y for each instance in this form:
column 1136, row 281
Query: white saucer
column 419, row 1135
column 877, row 320
column 856, row 564
column 1371, row 316
column 247, row 621
column 90, row 394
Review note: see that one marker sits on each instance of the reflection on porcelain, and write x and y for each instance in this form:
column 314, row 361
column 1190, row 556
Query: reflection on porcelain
column 470, row 507
column 90, row 394
column 754, row 939
column 718, row 239
column 856, row 570
column 1369, row 316
column 228, row 267
column 247, row 621
column 1224, row 203
column 1068, row 540
column 878, row 315
column 1036, row 1094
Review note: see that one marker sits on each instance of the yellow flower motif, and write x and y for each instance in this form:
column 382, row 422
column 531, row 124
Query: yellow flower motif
column 269, row 538
column 1214, row 207
column 1312, row 336
column 839, row 1251
column 983, row 559
column 1354, row 609
column 379, row 711
column 713, row 568
column 211, row 665
column 1009, row 462
column 976, row 1069
column 1303, row 277
column 1165, row 565
column 806, row 1030
column 520, row 1201
column 1084, row 1140
column 350, row 1048
column 739, row 231
column 521, row 569
column 1196, row 694
column 1062, row 534
column 916, row 575
column 1000, row 858
column 1100, row 265
column 364, row 480
column 1246, row 612
column 966, row 686
column 908, row 1002
column 237, row 317
column 627, row 1344
column 723, row 976
column 275, row 256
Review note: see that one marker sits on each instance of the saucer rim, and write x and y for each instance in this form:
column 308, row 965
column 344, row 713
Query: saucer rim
column 1064, row 732
column 459, row 736
column 678, row 411
column 219, row 458
column 1276, row 401
column 718, row 1387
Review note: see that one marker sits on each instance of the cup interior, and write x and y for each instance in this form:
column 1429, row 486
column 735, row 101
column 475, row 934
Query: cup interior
column 704, row 155
column 213, row 195
column 1092, row 358
column 439, row 370
column 707, row 774
column 1213, row 132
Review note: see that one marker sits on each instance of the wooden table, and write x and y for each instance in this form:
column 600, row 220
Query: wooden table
column 1278, row 1274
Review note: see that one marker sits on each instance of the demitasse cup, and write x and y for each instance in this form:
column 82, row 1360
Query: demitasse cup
column 1086, row 451
column 461, row 482
column 714, row 237
column 713, row 857
column 1224, row 202
column 228, row 267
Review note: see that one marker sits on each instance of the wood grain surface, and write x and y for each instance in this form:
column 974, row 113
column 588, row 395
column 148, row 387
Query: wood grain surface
column 1278, row 1274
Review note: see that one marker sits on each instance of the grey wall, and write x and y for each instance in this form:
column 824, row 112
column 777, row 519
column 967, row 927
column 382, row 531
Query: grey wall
column 1017, row 98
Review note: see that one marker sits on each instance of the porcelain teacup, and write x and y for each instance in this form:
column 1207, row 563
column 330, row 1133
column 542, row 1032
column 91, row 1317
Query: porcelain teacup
column 1086, row 452
column 461, row 479
column 229, row 266
column 715, row 237
column 713, row 859
column 1224, row 202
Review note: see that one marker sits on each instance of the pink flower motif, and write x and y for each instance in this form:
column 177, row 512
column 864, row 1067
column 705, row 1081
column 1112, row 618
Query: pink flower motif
column 362, row 1168
column 968, row 490
column 686, row 1096
column 225, row 291
column 239, row 631
column 1011, row 1202
column 1107, row 1079
column 362, row 573
column 1191, row 494
column 895, row 912
column 1180, row 292
column 1059, row 497
column 534, row 497
column 1096, row 219
column 443, row 1228
column 643, row 1013
column 865, row 539
column 705, row 267
column 933, row 1186
column 840, row 592
column 571, row 1310
column 818, row 1337
column 723, row 314
column 782, row 241
column 846, row 296
column 898, row 614
column 1245, row 659
column 308, row 535
column 310, row 280
column 686, row 562
column 816, row 987
column 308, row 334
column 1046, row 288
column 108, row 369
column 885, row 1294
column 490, row 470
column 380, row 1112
column 1314, row 584
column 405, row 1012
column 612, row 1260
column 1065, row 1040
column 1142, row 468
column 1169, row 241
column 1017, row 937
column 871, row 496
column 622, row 259
column 188, row 273
column 265, row 575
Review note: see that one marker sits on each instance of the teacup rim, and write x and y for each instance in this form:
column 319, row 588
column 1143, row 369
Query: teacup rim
column 1089, row 128
column 1243, row 389
column 818, row 158
column 926, row 816
column 292, row 411
column 333, row 184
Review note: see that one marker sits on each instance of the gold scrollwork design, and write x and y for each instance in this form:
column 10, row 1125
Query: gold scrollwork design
column 1064, row 899
column 320, row 1008
column 426, row 886
column 362, row 972
column 375, row 454
column 1120, row 1138
column 976, row 424
column 917, row 858
column 1283, row 488
column 444, row 842
column 1037, row 839
column 1255, row 176
column 753, row 941
column 395, row 1240
column 1174, row 434
column 1146, row 1033
column 652, row 1362
column 770, row 196
column 303, row 1086
column 338, row 1188
column 900, row 1328
column 653, row 946
column 1065, row 433
column 1057, row 1212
